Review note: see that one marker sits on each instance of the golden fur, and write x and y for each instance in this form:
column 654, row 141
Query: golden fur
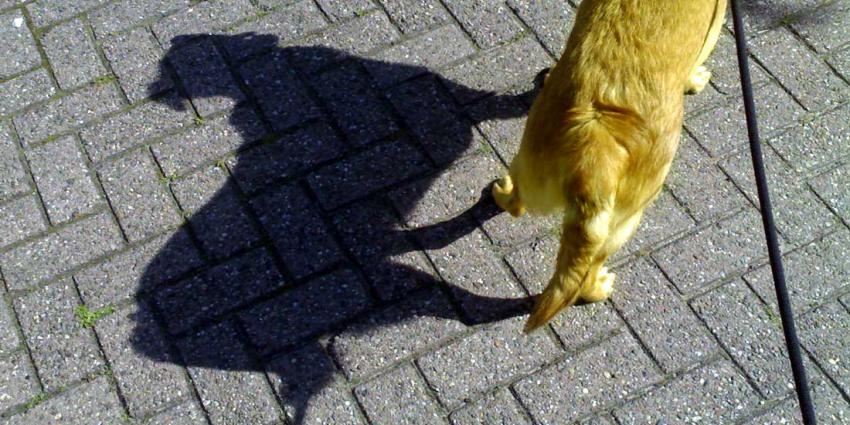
column 601, row 135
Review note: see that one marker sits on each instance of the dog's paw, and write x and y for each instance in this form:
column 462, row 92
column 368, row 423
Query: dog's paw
column 602, row 288
column 505, row 196
column 698, row 80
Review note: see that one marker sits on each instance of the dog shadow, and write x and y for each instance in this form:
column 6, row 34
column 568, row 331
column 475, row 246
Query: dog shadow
column 255, row 272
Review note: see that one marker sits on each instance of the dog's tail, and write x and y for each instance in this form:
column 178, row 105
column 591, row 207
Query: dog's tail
column 598, row 140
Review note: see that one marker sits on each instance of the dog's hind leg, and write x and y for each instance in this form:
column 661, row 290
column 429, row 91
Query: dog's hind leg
column 700, row 75
column 506, row 195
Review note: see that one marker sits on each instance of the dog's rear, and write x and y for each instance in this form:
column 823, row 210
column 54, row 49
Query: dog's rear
column 601, row 135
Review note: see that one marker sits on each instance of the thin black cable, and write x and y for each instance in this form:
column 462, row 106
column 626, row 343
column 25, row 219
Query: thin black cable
column 801, row 383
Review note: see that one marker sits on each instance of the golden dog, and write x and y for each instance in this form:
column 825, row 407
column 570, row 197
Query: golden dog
column 603, row 131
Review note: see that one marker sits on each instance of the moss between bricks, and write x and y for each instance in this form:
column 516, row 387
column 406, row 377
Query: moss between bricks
column 88, row 318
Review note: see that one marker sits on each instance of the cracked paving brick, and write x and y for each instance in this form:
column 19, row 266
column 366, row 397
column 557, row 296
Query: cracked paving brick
column 21, row 218
column 660, row 317
column 487, row 358
column 64, row 180
column 91, row 402
column 136, row 59
column 200, row 19
column 824, row 333
column 416, row 15
column 399, row 397
column 69, row 247
column 395, row 333
column 281, row 96
column 497, row 70
column 20, row 52
column 63, row 350
column 141, row 360
column 830, row 187
column 299, row 234
column 215, row 212
column 498, row 408
column 277, row 29
column 311, row 388
column 13, row 175
column 716, row 391
column 215, row 291
column 588, row 381
column 818, row 143
column 71, row 54
column 137, row 194
column 17, row 382
column 420, row 55
column 306, row 310
column 755, row 341
column 489, row 22
column 67, row 112
column 219, row 363
column 713, row 252
column 127, row 13
column 23, row 91
column 205, row 77
column 551, row 20
column 138, row 270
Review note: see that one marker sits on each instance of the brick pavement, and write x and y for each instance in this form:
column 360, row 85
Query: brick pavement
column 270, row 211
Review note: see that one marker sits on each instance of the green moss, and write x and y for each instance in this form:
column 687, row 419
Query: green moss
column 87, row 318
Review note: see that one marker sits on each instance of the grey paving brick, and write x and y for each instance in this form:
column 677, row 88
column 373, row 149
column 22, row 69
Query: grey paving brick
column 702, row 187
column 707, row 99
column 218, row 363
column 497, row 408
column 136, row 59
column 71, row 54
column 262, row 166
column 124, row 14
column 205, row 77
column 800, row 215
column 92, row 402
column 395, row 333
column 713, row 252
column 841, row 62
column 818, row 143
column 501, row 120
column 298, row 233
column 534, row 261
column 9, row 338
column 723, row 64
column 588, row 381
column 487, row 358
column 214, row 212
column 455, row 190
column 663, row 219
column 21, row 218
column 824, row 333
column 138, row 270
column 660, row 317
column 13, row 176
column 816, row 88
column 723, row 129
column 214, row 292
column 497, row 70
column 278, row 28
column 824, row 27
column 351, row 38
column 63, row 180
column 716, row 391
column 67, row 248
column 63, row 351
column 17, row 381
column 19, row 46
column 830, row 408
column 489, row 22
column 138, row 196
column 812, row 273
column 44, row 12
column 415, row 15
column 399, row 397
column 366, row 172
column 339, row 10
column 434, row 120
column 551, row 20
column 141, row 360
column 124, row 131
column 830, row 187
column 353, row 101
column 755, row 341
column 67, row 112
column 306, row 310
column 419, row 55
column 281, row 96
column 20, row 92
column 203, row 144
column 311, row 388
column 188, row 413
column 201, row 18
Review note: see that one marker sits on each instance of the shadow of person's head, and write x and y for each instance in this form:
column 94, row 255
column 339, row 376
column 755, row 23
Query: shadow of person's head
column 291, row 235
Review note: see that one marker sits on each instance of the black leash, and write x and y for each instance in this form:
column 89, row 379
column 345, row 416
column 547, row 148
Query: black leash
column 788, row 327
